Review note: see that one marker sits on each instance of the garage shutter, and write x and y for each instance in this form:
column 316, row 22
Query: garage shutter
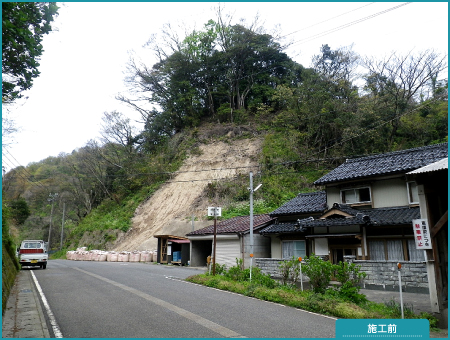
column 227, row 252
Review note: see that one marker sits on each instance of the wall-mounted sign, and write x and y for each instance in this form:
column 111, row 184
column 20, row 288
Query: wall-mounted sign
column 422, row 234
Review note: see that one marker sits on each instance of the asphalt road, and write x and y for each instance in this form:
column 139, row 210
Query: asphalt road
column 125, row 300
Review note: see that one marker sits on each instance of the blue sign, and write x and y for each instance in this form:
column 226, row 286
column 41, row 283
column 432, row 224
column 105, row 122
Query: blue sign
column 382, row 328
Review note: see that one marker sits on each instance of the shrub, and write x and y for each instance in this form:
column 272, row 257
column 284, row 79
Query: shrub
column 349, row 276
column 220, row 269
column 434, row 322
column 237, row 272
column 290, row 270
column 240, row 274
column 319, row 273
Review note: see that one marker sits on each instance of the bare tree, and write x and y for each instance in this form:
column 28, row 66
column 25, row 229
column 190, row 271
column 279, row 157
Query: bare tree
column 117, row 129
column 397, row 83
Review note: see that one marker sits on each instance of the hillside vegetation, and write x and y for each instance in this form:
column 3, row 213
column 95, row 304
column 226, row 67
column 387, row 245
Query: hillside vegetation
column 219, row 103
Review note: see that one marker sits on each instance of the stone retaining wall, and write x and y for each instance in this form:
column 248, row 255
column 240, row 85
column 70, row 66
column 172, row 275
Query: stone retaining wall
column 382, row 275
column 269, row 266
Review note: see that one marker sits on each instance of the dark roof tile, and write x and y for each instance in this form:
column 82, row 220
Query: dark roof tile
column 234, row 225
column 313, row 202
column 377, row 216
column 383, row 164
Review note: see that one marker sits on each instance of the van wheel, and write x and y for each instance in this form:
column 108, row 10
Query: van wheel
column 44, row 266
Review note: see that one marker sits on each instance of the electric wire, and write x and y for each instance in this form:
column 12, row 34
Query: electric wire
column 285, row 163
column 17, row 162
column 13, row 166
column 319, row 35
column 321, row 22
column 333, row 30
column 17, row 173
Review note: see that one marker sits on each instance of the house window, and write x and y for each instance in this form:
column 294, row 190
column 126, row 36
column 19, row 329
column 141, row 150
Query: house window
column 415, row 254
column 376, row 249
column 413, row 193
column 293, row 249
column 356, row 195
column 394, row 250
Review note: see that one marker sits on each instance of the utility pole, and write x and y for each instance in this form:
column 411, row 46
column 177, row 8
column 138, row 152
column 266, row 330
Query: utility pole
column 214, row 212
column 251, row 220
column 190, row 243
column 51, row 198
column 62, row 226
column 251, row 224
column 214, row 244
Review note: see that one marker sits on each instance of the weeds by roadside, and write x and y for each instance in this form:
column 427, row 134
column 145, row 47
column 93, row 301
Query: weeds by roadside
column 344, row 301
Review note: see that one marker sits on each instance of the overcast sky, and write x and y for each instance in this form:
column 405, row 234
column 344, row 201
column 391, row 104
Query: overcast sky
column 82, row 67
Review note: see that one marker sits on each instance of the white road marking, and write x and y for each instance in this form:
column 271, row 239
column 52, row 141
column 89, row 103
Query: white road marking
column 50, row 315
column 223, row 331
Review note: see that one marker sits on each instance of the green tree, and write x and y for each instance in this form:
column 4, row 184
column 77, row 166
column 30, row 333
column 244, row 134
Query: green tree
column 212, row 73
column 23, row 26
column 19, row 210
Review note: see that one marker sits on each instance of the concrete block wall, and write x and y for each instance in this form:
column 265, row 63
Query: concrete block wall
column 269, row 266
column 382, row 275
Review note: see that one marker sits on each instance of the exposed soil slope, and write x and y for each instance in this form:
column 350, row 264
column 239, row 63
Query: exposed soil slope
column 169, row 210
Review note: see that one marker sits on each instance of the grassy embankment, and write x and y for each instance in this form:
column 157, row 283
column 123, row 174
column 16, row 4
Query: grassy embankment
column 329, row 303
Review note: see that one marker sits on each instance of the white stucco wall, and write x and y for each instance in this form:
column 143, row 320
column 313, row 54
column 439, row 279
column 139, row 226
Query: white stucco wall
column 320, row 246
column 385, row 193
column 389, row 193
column 275, row 245
column 333, row 196
column 261, row 248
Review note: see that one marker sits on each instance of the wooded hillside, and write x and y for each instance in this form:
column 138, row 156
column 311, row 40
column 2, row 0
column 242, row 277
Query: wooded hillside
column 229, row 83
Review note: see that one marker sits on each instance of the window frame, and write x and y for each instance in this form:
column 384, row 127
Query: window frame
column 342, row 195
column 410, row 192
column 406, row 250
column 293, row 249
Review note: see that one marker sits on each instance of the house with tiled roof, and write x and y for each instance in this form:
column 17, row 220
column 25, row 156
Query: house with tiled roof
column 285, row 227
column 368, row 207
column 232, row 241
column 432, row 182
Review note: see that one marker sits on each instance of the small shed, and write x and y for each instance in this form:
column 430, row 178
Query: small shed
column 173, row 249
column 233, row 241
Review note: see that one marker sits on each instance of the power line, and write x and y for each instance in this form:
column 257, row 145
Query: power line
column 328, row 32
column 174, row 173
column 321, row 22
column 17, row 162
column 347, row 25
column 12, row 165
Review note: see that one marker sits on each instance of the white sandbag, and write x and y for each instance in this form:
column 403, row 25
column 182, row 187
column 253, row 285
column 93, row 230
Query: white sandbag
column 145, row 256
column 135, row 256
column 123, row 257
column 70, row 254
column 78, row 256
column 112, row 257
column 94, row 255
column 86, row 256
column 102, row 256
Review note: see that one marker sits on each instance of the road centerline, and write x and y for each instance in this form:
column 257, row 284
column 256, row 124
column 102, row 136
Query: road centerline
column 223, row 331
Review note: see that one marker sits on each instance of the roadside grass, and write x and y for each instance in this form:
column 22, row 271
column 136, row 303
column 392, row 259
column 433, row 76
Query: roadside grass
column 328, row 303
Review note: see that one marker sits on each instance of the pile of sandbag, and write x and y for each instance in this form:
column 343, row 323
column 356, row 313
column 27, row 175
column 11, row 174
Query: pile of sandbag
column 82, row 254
